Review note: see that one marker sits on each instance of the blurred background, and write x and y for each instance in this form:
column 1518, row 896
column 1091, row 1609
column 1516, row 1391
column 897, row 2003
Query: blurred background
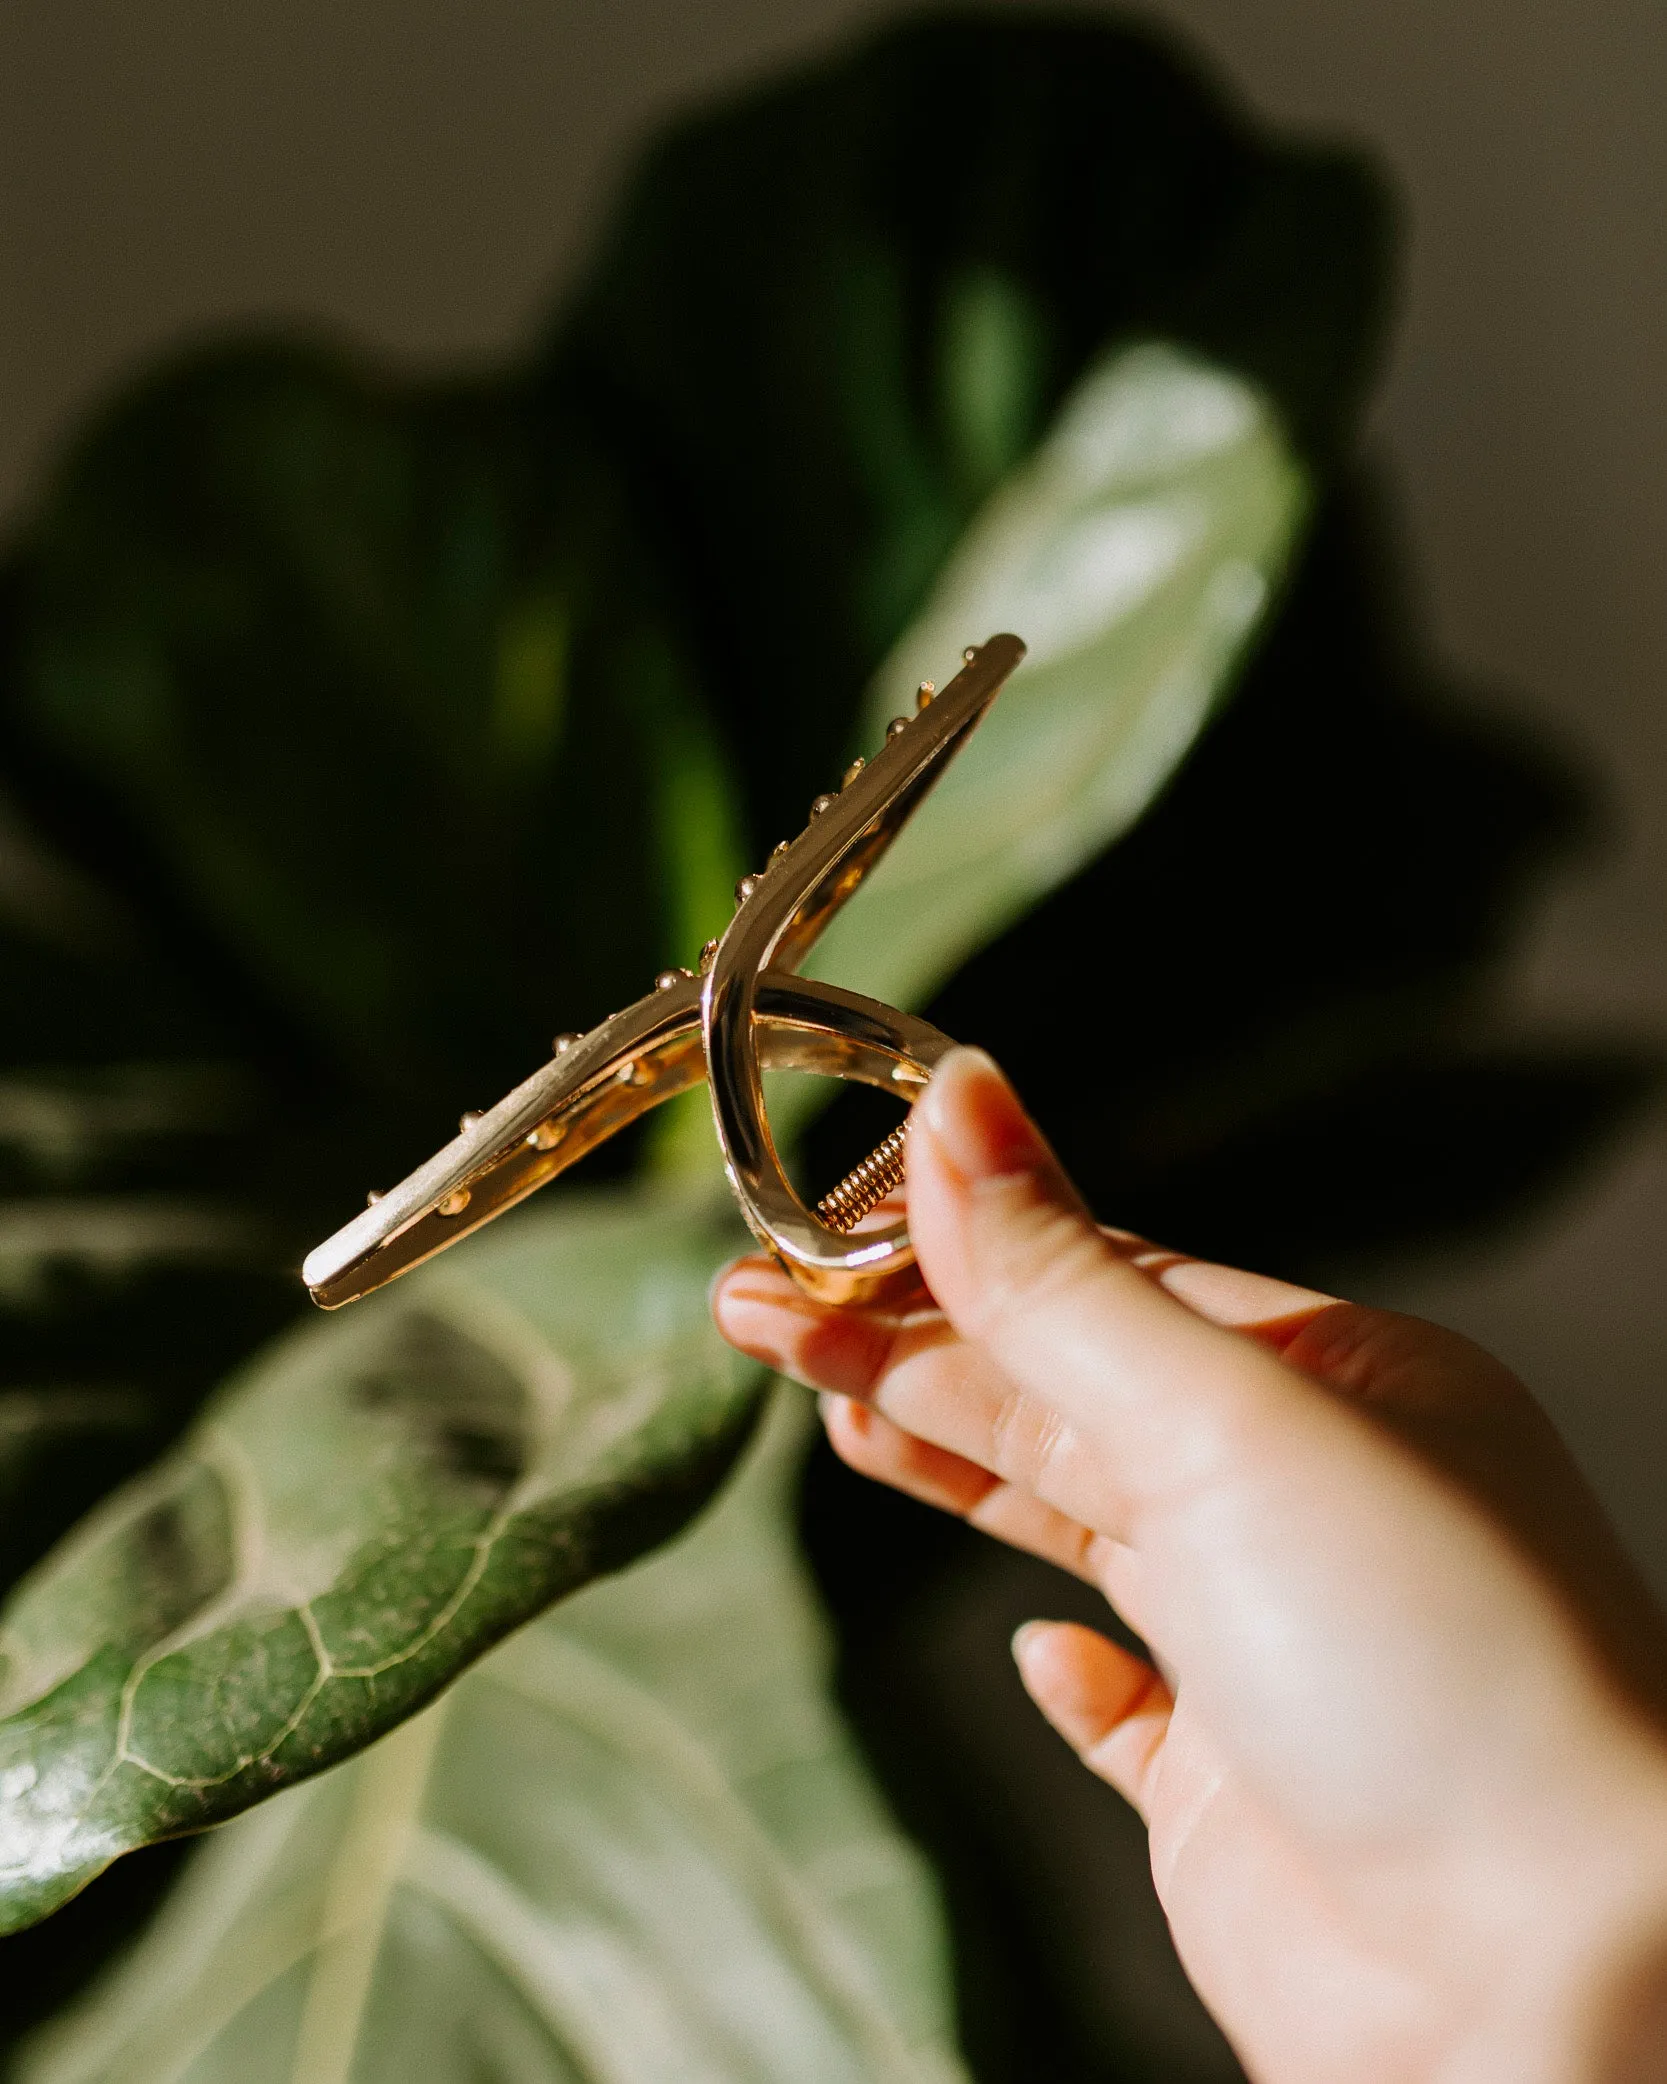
column 422, row 176
column 422, row 179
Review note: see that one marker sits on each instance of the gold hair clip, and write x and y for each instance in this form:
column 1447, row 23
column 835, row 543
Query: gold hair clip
column 743, row 1012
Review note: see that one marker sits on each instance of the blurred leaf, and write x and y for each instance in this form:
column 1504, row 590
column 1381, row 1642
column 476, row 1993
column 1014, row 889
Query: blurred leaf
column 388, row 1493
column 1135, row 552
column 372, row 1505
column 363, row 733
column 1442, row 1144
column 61, row 1448
column 351, row 757
column 633, row 1844
column 833, row 316
column 367, row 687
column 1289, row 1052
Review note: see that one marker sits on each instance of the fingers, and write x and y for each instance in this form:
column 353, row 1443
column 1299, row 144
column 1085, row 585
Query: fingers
column 914, row 1368
column 949, row 1391
column 873, row 1446
column 1086, row 1368
column 1095, row 1354
column 844, row 1349
column 1111, row 1707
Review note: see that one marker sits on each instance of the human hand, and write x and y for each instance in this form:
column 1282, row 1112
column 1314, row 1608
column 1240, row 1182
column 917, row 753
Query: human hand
column 1400, row 1748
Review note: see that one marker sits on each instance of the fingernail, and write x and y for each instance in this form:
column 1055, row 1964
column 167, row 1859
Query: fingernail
column 854, row 1414
column 741, row 1276
column 976, row 1117
column 747, row 1322
column 1026, row 1634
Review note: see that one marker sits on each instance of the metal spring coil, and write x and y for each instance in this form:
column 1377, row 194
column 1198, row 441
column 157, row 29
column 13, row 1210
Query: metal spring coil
column 879, row 1174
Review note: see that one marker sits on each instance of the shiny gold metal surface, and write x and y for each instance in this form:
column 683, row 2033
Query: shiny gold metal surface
column 743, row 1013
column 863, row 1189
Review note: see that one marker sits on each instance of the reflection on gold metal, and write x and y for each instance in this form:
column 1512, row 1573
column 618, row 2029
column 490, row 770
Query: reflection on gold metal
column 743, row 1012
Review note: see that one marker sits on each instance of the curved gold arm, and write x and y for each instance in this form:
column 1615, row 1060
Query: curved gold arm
column 643, row 1056
column 745, row 1014
column 803, row 885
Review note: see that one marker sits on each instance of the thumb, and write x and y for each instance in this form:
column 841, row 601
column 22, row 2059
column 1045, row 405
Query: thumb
column 1019, row 1268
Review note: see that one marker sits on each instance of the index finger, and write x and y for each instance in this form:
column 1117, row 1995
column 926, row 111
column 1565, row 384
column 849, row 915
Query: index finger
column 908, row 1361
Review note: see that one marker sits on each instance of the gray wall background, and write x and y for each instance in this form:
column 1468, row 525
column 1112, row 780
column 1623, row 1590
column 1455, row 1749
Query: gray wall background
column 420, row 174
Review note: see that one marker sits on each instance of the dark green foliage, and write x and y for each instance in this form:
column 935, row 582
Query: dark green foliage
column 346, row 720
column 834, row 316
column 284, row 670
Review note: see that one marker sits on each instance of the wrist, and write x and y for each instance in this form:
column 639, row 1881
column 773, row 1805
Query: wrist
column 1578, row 1939
column 1628, row 2043
column 1614, row 2009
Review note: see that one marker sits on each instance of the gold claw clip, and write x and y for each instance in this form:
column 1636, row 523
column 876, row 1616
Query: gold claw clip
column 745, row 1012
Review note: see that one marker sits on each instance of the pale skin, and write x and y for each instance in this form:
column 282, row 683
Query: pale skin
column 1400, row 1749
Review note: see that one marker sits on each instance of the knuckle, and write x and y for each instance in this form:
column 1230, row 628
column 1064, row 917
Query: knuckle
column 1025, row 1440
column 1077, row 1550
column 1383, row 1359
column 858, row 1352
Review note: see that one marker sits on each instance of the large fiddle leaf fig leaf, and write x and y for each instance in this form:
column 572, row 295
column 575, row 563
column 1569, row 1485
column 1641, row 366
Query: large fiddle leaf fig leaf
column 352, row 1521
column 368, row 689
column 361, row 733
column 383, row 1496
column 350, row 759
column 632, row 1844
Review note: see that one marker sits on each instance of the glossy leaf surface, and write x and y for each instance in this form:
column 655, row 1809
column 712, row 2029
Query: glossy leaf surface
column 1135, row 552
column 390, row 1492
column 365, row 732
column 396, row 717
column 633, row 1844
column 375, row 1502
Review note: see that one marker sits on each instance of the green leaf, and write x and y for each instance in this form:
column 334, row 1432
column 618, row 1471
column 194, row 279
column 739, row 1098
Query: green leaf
column 1400, row 832
column 384, row 728
column 370, row 1506
column 373, row 690
column 353, row 757
column 58, row 1447
column 1135, row 552
column 632, row 1844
